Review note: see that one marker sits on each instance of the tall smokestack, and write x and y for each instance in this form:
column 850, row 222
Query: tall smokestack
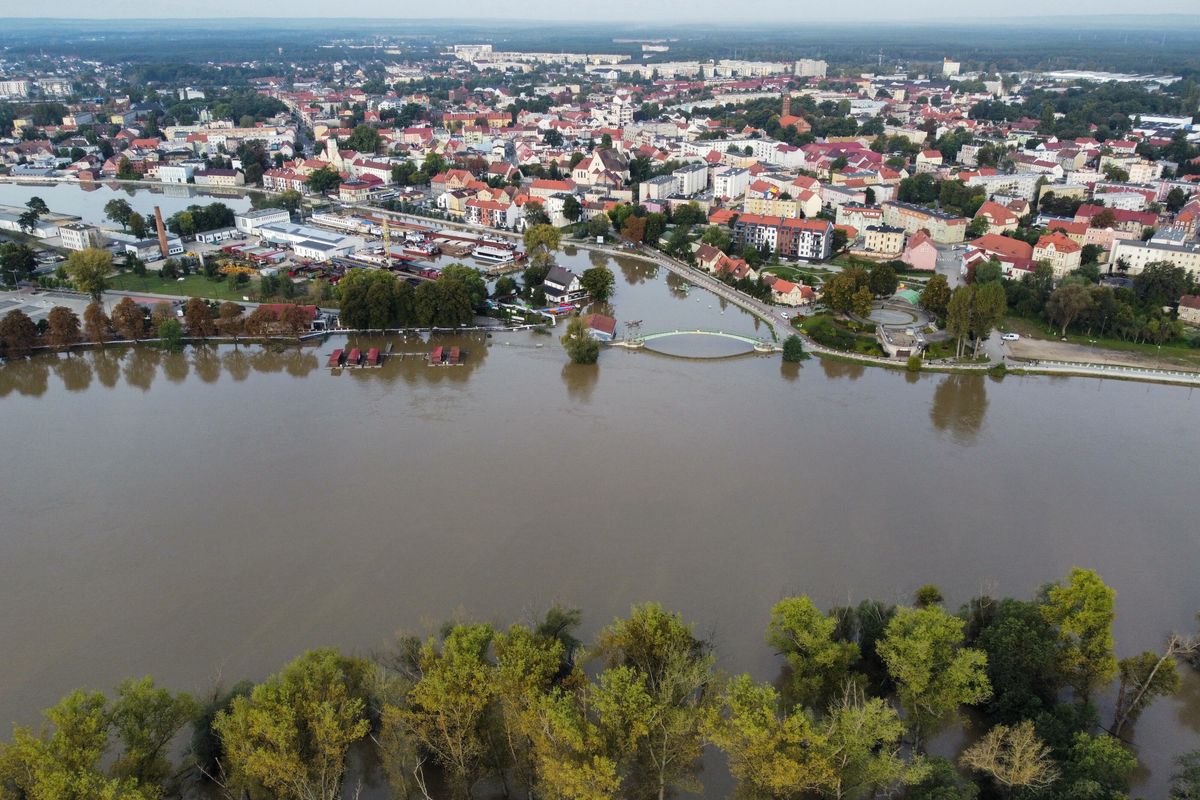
column 162, row 231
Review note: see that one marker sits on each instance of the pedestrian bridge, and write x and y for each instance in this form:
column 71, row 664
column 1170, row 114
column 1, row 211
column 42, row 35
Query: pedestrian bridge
column 639, row 340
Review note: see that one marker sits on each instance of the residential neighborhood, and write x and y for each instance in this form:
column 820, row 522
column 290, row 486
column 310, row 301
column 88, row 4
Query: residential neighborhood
column 573, row 401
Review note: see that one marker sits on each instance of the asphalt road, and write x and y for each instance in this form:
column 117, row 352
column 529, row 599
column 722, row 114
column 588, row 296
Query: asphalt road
column 949, row 262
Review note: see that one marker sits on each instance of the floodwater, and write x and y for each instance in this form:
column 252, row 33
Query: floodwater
column 87, row 200
column 209, row 515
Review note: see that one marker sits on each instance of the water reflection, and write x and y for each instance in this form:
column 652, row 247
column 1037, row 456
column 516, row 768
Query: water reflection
column 29, row 377
column 409, row 361
column 842, row 369
column 75, row 372
column 175, row 367
column 789, row 371
column 1187, row 699
column 107, row 364
column 678, row 285
column 959, row 404
column 141, row 366
column 598, row 258
column 580, row 380
column 236, row 363
column 206, row 361
column 636, row 271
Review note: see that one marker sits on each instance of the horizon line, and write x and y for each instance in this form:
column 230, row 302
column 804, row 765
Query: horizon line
column 569, row 20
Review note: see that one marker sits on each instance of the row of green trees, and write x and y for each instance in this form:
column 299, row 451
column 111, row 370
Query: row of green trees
column 377, row 299
column 529, row 710
column 1133, row 314
column 197, row 218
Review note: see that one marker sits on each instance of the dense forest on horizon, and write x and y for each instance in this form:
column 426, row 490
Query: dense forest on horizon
column 1163, row 44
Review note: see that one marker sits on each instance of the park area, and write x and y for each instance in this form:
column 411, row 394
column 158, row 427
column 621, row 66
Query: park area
column 187, row 286
column 1039, row 343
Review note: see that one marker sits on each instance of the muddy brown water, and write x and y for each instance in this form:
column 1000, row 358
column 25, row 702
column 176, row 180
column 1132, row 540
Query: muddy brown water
column 209, row 515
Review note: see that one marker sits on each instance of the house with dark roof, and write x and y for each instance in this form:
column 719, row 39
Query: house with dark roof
column 562, row 285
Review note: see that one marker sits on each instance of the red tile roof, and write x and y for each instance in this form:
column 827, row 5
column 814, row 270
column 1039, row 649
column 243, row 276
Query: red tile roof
column 1003, row 245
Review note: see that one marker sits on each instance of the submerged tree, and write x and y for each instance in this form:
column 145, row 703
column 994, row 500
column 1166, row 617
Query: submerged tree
column 676, row 669
column 1082, row 613
column 579, row 343
column 819, row 664
column 934, row 673
column 772, row 755
column 292, row 733
column 1014, row 758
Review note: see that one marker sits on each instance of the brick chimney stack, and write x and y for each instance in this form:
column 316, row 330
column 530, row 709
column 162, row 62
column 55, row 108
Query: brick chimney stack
column 162, row 231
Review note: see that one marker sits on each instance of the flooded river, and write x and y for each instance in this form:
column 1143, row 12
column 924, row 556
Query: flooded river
column 210, row 515
column 87, row 200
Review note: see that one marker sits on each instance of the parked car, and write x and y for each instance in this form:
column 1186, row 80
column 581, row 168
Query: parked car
column 1011, row 337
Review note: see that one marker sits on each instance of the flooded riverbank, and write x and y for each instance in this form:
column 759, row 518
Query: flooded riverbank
column 223, row 509
column 211, row 514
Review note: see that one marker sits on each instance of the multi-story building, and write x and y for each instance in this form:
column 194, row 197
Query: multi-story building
column 943, row 228
column 14, row 89
column 883, row 239
column 176, row 173
column 1063, row 253
column 77, row 236
column 250, row 221
column 219, row 177
column 1017, row 184
column 791, row 238
column 810, row 68
column 730, row 182
column 281, row 180
column 1132, row 255
column 859, row 216
column 690, row 179
column 659, row 187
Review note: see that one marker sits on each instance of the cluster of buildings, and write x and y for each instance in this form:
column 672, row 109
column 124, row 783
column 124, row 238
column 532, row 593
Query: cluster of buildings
column 594, row 131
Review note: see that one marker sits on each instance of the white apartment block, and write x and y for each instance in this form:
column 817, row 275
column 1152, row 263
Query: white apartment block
column 1018, row 184
column 77, row 236
column 730, row 182
column 1137, row 254
column 810, row 68
column 658, row 188
column 690, row 179
column 14, row 89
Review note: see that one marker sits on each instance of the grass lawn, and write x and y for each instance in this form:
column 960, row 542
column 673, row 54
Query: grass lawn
column 825, row 329
column 806, row 276
column 847, row 260
column 190, row 286
column 1174, row 353
column 946, row 348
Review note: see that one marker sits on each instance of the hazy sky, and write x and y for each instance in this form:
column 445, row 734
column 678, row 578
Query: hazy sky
column 786, row 12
